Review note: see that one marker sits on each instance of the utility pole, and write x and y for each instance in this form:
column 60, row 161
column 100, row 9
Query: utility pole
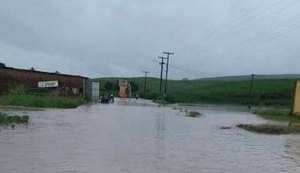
column 167, row 69
column 250, row 90
column 145, row 82
column 161, row 71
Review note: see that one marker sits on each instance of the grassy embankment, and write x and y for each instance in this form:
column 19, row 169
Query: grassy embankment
column 292, row 125
column 271, row 129
column 20, row 97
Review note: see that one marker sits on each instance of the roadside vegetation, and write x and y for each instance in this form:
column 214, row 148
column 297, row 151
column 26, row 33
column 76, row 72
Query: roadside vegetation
column 271, row 129
column 6, row 119
column 290, row 123
column 21, row 97
column 276, row 114
column 193, row 114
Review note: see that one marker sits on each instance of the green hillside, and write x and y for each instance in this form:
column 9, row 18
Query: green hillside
column 268, row 90
column 247, row 77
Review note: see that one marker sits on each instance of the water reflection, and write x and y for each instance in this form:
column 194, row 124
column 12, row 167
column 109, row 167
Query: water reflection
column 293, row 148
column 160, row 123
column 160, row 145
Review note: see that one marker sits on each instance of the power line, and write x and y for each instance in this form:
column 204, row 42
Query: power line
column 241, row 26
column 288, row 25
column 145, row 81
column 243, row 16
column 161, row 71
column 250, row 90
column 167, row 68
column 181, row 69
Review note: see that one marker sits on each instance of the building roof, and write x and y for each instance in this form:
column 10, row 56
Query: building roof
column 53, row 73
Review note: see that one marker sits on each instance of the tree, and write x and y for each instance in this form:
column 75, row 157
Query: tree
column 116, row 85
column 134, row 86
column 108, row 86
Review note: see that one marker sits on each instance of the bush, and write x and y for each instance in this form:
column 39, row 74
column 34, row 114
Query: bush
column 19, row 90
column 43, row 101
column 6, row 119
column 149, row 95
column 193, row 114
column 109, row 86
column 170, row 99
column 134, row 86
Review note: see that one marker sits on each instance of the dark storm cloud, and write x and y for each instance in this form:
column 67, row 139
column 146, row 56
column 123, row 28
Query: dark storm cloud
column 122, row 38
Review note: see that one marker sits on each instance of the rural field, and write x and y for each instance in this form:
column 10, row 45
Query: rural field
column 268, row 90
column 116, row 86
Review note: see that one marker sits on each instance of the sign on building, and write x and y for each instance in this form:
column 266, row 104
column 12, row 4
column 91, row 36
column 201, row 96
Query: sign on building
column 48, row 84
column 296, row 104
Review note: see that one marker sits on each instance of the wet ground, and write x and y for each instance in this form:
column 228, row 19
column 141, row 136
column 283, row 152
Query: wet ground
column 141, row 137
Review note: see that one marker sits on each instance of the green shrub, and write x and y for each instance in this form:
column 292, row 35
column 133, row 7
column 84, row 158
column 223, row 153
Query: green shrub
column 6, row 119
column 193, row 114
column 43, row 101
column 149, row 95
column 170, row 99
column 19, row 90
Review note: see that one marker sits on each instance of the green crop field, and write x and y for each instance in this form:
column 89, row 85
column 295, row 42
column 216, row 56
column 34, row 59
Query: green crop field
column 275, row 90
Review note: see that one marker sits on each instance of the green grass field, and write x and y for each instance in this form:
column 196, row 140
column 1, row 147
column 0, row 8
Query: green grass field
column 20, row 96
column 273, row 90
column 41, row 101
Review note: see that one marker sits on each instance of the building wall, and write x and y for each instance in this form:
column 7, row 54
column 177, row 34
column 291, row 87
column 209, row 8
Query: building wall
column 68, row 85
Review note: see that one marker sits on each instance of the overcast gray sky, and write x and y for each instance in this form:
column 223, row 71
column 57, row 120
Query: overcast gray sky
column 100, row 38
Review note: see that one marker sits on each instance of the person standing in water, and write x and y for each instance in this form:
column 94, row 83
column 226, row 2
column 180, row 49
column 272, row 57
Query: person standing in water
column 112, row 99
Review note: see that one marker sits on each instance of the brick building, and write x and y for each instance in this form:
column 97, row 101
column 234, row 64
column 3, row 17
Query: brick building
column 124, row 88
column 38, row 81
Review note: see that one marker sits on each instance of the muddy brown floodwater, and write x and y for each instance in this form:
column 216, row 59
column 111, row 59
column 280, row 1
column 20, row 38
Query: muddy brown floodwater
column 140, row 137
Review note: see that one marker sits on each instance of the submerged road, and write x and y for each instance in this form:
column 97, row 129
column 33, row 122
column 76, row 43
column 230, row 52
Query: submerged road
column 141, row 137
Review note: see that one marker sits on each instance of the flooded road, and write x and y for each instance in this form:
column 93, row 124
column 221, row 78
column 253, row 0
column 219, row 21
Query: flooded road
column 140, row 137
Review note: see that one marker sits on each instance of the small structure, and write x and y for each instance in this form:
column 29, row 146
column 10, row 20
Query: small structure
column 296, row 101
column 95, row 91
column 125, row 88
